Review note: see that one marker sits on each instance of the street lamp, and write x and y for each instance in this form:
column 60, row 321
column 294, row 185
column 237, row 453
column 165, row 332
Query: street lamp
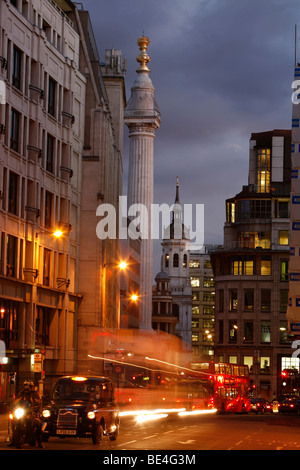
column 58, row 233
column 134, row 297
column 123, row 265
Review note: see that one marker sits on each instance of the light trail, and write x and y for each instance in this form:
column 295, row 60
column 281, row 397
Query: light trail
column 197, row 412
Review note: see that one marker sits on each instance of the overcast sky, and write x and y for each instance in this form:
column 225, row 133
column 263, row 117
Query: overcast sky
column 222, row 69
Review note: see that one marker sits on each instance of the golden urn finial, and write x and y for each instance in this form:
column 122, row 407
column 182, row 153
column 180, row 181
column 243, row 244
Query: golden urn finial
column 143, row 59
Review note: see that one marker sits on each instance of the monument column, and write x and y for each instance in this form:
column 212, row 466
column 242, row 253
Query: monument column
column 142, row 116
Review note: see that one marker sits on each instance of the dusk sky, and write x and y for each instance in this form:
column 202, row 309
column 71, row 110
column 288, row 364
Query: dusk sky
column 222, row 69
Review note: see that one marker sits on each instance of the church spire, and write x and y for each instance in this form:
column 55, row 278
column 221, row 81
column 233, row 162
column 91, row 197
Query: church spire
column 177, row 201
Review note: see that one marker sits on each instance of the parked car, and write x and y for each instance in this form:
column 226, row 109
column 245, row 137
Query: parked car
column 290, row 405
column 82, row 407
column 258, row 405
column 269, row 406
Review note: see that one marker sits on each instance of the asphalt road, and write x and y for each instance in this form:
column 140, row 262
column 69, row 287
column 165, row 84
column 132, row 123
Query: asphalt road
column 209, row 432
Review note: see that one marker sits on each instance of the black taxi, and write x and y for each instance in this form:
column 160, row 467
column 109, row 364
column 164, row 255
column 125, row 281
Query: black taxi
column 81, row 407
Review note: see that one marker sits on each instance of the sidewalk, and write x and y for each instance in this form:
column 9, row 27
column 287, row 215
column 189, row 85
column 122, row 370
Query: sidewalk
column 4, row 436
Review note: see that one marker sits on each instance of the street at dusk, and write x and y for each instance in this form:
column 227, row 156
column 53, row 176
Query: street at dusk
column 230, row 432
column 149, row 227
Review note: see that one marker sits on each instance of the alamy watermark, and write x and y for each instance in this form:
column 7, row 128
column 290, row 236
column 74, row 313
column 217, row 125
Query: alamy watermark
column 159, row 221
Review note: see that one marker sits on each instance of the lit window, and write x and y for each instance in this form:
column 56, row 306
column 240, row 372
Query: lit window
column 284, row 270
column 265, row 267
column 283, row 237
column 195, row 281
column 265, row 331
column 194, row 264
column 263, row 171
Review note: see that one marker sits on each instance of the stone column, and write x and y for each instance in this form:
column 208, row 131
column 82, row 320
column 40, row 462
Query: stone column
column 142, row 116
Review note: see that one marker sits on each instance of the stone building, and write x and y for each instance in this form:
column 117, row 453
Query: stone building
column 173, row 282
column 102, row 170
column 42, row 123
column 60, row 159
column 251, row 270
column 203, row 308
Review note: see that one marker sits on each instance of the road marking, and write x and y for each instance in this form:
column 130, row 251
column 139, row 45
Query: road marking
column 126, row 443
column 149, row 437
column 186, row 442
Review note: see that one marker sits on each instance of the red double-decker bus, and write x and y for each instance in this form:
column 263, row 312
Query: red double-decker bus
column 198, row 386
column 230, row 385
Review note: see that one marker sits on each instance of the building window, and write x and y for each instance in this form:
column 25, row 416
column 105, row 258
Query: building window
column 230, row 206
column 284, row 295
column 11, row 256
column 249, row 299
column 184, row 261
column 208, row 310
column 16, row 68
column 195, row 281
column 175, row 260
column 265, row 266
column 232, row 359
column 263, row 171
column 283, row 237
column 242, row 266
column 208, row 297
column 43, row 321
column 195, row 295
column 248, row 361
column 50, row 154
column 233, row 299
column 167, row 257
column 9, row 323
column 208, row 282
column 284, row 270
column 14, row 130
column 195, row 310
column 265, row 365
column 282, row 210
column 13, row 193
column 265, row 331
column 265, row 305
column 48, row 209
column 51, row 97
column 194, row 264
column 46, row 267
column 248, row 331
column 232, row 328
column 255, row 239
column 283, row 334
column 221, row 331
column 221, row 300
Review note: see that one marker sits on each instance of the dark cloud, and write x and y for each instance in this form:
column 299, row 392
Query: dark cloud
column 222, row 69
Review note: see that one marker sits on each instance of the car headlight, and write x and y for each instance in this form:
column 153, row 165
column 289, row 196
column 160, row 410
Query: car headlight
column 91, row 415
column 19, row 412
column 46, row 413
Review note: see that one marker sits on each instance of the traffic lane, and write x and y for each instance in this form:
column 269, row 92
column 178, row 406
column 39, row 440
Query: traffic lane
column 214, row 432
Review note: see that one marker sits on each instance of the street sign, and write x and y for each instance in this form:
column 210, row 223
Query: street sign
column 37, row 367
